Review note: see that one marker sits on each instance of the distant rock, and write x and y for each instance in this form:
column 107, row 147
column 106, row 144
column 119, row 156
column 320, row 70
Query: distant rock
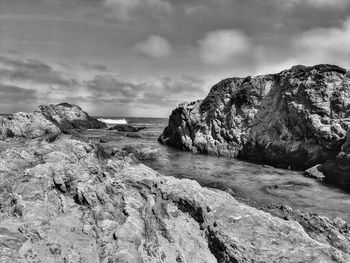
column 297, row 118
column 47, row 119
column 68, row 116
column 133, row 135
column 127, row 128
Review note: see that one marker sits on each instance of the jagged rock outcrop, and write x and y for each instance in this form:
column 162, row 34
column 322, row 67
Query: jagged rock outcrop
column 64, row 199
column 47, row 119
column 68, row 116
column 297, row 118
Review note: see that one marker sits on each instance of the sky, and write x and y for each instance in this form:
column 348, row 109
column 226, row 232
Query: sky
column 143, row 57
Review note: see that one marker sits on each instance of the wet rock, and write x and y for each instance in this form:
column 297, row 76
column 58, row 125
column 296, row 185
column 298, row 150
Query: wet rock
column 142, row 152
column 315, row 172
column 297, row 118
column 133, row 135
column 127, row 128
column 337, row 170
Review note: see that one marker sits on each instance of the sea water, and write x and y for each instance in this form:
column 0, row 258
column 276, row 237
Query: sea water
column 259, row 183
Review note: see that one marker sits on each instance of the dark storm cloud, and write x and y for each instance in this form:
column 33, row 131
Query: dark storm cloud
column 31, row 70
column 15, row 94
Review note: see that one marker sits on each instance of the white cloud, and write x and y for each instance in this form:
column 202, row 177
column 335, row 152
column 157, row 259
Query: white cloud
column 319, row 3
column 325, row 45
column 123, row 8
column 155, row 47
column 222, row 46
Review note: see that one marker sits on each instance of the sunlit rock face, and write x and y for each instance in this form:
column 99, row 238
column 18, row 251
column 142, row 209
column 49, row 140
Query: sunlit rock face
column 296, row 118
column 47, row 119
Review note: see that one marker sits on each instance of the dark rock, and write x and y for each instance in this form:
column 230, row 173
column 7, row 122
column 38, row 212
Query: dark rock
column 297, row 118
column 127, row 128
column 103, row 140
column 337, row 170
column 133, row 135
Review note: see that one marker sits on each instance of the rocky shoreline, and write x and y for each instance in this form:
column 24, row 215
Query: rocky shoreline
column 296, row 119
column 65, row 199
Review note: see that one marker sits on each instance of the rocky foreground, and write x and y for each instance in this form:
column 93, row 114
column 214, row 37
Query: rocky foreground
column 64, row 199
column 296, row 119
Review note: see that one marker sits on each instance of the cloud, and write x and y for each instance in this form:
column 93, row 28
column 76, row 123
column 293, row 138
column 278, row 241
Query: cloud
column 221, row 46
column 337, row 4
column 158, row 92
column 14, row 94
column 325, row 45
column 33, row 71
column 154, row 47
column 124, row 9
column 94, row 67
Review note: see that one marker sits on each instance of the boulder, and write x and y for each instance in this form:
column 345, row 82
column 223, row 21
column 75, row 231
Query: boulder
column 68, row 116
column 142, row 152
column 315, row 172
column 47, row 120
column 297, row 118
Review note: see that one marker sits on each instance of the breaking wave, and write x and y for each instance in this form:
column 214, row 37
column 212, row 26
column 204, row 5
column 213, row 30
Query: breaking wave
column 114, row 121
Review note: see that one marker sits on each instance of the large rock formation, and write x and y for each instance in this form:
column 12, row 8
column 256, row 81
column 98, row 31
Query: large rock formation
column 65, row 200
column 47, row 119
column 297, row 118
column 68, row 116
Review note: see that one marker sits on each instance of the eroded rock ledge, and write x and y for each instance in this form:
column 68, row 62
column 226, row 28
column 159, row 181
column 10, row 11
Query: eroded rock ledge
column 64, row 199
column 297, row 118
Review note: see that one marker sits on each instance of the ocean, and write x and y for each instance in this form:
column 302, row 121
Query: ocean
column 261, row 184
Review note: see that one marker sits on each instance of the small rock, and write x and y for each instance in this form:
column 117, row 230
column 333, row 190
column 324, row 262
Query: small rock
column 55, row 249
column 315, row 172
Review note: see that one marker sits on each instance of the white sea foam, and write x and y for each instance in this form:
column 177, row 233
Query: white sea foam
column 114, row 121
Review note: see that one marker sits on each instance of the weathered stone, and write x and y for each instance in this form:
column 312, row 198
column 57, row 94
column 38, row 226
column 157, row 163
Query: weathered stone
column 315, row 172
column 77, row 203
column 47, row 120
column 297, row 118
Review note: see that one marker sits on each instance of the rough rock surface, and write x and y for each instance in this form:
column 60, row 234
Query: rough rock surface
column 47, row 119
column 68, row 116
column 127, row 128
column 64, row 199
column 338, row 170
column 297, row 118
